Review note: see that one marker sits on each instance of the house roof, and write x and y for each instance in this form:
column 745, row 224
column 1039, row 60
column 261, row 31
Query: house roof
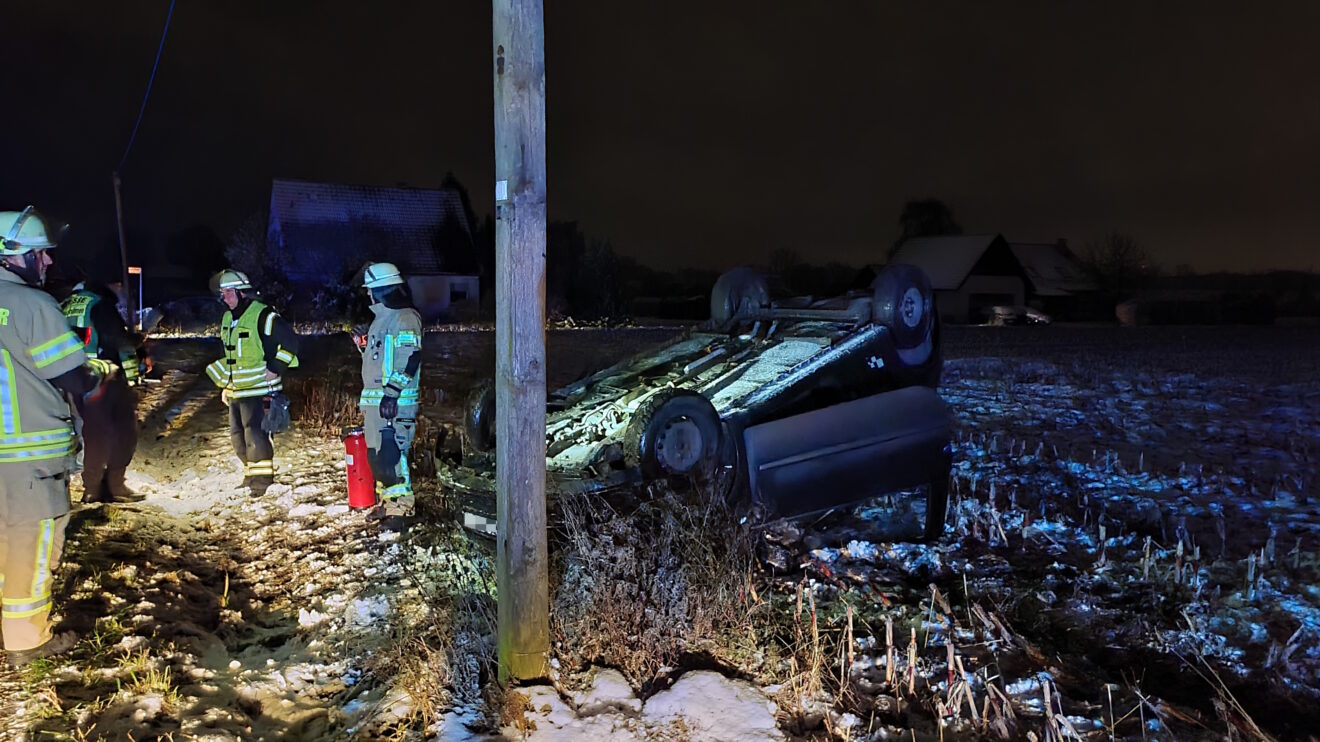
column 947, row 260
column 1052, row 268
column 320, row 228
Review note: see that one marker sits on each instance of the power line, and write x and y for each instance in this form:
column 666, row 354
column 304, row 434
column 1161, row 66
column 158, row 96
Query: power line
column 155, row 65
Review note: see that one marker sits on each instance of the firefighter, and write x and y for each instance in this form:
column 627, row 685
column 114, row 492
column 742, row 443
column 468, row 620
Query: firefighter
column 259, row 346
column 391, row 370
column 41, row 362
column 109, row 429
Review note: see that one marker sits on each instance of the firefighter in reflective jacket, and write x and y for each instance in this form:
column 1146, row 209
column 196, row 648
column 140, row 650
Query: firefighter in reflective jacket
column 109, row 428
column 40, row 362
column 259, row 347
column 391, row 370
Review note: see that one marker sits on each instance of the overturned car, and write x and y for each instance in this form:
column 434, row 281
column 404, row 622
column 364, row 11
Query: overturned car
column 791, row 406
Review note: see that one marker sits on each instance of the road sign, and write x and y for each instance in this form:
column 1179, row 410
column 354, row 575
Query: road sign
column 135, row 270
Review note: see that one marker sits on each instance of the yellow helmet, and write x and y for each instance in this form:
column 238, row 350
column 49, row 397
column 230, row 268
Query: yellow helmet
column 24, row 231
column 379, row 275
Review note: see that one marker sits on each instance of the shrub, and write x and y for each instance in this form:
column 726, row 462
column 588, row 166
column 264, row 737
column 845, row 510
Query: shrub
column 323, row 404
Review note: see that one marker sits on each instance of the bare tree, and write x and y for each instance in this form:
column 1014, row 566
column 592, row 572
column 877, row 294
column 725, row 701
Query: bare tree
column 1119, row 263
column 929, row 217
column 245, row 249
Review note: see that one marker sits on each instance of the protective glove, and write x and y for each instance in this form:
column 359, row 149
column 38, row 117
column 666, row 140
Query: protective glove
column 389, row 407
column 102, row 371
column 359, row 335
column 276, row 419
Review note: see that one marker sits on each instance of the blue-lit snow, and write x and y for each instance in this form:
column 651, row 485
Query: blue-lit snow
column 1047, row 462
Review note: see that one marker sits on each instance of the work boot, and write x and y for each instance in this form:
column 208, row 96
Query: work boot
column 395, row 513
column 94, row 492
column 258, row 484
column 118, row 490
column 58, row 644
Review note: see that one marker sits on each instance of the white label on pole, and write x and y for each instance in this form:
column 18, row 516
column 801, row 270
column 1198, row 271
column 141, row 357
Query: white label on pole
column 135, row 270
column 501, row 190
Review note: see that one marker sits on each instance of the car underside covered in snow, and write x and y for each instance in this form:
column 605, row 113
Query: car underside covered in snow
column 788, row 406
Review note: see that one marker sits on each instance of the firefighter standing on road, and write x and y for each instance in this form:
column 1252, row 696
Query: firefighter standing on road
column 40, row 361
column 110, row 421
column 391, row 370
column 259, row 347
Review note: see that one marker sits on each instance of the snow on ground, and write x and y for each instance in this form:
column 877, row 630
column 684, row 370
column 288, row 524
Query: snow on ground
column 702, row 706
column 208, row 612
column 1133, row 548
column 1138, row 528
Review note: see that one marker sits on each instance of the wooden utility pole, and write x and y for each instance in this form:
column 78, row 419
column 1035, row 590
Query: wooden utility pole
column 520, row 225
column 123, row 254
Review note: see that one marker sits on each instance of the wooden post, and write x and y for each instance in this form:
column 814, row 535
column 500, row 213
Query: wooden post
column 123, row 253
column 520, row 239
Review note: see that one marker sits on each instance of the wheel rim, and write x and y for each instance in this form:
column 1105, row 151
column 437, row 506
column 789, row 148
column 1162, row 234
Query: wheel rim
column 912, row 307
column 680, row 446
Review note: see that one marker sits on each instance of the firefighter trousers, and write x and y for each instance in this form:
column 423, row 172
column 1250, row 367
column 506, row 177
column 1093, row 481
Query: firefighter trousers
column 109, row 431
column 397, row 483
column 252, row 444
column 29, row 553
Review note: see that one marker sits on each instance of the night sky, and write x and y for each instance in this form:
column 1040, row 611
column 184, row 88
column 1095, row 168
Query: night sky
column 705, row 133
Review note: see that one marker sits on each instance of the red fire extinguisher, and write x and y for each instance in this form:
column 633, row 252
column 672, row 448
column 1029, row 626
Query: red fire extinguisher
column 361, row 485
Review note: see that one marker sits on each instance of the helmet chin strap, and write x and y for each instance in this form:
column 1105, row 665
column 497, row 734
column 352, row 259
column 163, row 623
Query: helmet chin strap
column 29, row 271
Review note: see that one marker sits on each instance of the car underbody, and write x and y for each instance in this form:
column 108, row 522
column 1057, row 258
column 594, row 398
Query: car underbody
column 789, row 407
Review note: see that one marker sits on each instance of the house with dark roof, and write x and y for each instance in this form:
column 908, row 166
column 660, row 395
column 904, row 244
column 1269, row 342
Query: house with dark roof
column 971, row 273
column 321, row 234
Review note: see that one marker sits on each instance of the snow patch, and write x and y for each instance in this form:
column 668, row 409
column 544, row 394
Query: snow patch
column 714, row 707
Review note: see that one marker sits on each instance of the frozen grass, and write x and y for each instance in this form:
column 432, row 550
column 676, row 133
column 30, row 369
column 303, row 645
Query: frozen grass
column 440, row 654
column 642, row 590
column 324, row 404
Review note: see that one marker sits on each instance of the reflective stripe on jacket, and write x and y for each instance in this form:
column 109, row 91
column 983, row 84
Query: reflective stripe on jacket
column 395, row 335
column 36, row 423
column 78, row 309
column 243, row 369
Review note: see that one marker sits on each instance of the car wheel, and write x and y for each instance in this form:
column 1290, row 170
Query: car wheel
column 737, row 292
column 905, row 304
column 479, row 417
column 674, row 433
column 937, row 508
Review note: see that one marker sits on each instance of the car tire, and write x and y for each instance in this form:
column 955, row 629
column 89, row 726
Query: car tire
column 479, row 417
column 737, row 292
column 937, row 508
column 676, row 432
column 905, row 304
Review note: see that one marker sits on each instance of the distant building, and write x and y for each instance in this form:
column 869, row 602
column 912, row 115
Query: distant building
column 971, row 273
column 323, row 233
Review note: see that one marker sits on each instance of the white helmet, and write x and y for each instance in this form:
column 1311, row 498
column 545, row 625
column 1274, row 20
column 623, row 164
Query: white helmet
column 379, row 275
column 231, row 279
column 23, row 231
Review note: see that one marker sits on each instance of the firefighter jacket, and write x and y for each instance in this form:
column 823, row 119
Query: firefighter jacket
column 256, row 341
column 36, row 422
column 97, row 323
column 391, row 360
